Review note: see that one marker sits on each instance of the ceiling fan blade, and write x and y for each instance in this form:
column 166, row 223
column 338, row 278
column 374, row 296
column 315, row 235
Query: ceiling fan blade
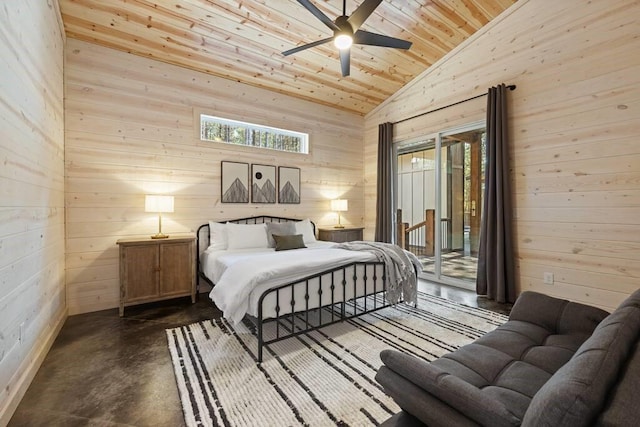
column 345, row 61
column 373, row 39
column 306, row 46
column 361, row 14
column 318, row 14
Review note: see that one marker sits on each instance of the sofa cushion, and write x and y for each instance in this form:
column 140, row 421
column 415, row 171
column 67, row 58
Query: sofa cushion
column 538, row 309
column 577, row 391
column 477, row 364
column 497, row 375
column 556, row 315
column 544, row 331
column 533, row 344
column 472, row 402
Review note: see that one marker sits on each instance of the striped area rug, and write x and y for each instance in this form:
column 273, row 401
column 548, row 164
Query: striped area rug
column 321, row 379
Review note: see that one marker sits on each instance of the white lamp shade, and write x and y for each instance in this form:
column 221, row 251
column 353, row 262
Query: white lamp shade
column 156, row 203
column 339, row 205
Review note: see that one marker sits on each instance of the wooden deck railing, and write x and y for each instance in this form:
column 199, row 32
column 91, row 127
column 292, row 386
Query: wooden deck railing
column 420, row 238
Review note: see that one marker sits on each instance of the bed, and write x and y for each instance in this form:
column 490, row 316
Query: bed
column 289, row 292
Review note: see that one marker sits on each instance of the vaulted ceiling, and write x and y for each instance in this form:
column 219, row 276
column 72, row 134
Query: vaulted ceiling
column 243, row 40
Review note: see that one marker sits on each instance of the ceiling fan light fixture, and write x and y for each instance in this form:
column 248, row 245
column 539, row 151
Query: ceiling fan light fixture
column 343, row 41
column 346, row 31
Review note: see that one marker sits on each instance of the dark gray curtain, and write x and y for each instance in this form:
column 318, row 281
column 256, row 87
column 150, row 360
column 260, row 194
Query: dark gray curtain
column 496, row 278
column 384, row 207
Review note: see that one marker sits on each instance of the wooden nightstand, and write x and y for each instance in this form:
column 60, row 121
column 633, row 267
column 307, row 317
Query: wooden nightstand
column 156, row 269
column 340, row 235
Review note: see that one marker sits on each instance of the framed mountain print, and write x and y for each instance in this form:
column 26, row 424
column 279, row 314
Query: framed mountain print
column 235, row 182
column 263, row 184
column 288, row 185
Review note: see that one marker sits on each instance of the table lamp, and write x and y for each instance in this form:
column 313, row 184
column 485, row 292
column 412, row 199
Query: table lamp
column 158, row 204
column 339, row 205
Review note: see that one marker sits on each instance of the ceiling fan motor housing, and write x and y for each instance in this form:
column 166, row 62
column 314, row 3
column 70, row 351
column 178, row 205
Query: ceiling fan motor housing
column 343, row 23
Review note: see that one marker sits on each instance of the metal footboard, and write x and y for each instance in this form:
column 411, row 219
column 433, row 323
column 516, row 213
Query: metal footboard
column 315, row 301
column 319, row 300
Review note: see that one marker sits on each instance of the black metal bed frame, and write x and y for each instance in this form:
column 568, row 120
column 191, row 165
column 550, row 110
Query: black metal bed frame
column 303, row 317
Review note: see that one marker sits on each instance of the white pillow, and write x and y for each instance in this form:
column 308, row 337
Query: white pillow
column 217, row 235
column 241, row 236
column 305, row 228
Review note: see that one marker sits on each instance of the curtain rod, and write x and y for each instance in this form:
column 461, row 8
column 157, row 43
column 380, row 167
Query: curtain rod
column 510, row 87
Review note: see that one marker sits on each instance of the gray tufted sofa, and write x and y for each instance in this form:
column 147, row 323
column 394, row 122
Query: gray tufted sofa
column 554, row 363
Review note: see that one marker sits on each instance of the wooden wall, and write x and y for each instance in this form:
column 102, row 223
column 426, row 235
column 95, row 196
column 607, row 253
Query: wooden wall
column 32, row 285
column 130, row 131
column 574, row 129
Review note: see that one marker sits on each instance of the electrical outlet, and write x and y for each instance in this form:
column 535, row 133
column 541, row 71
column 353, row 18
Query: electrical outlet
column 21, row 337
column 548, row 278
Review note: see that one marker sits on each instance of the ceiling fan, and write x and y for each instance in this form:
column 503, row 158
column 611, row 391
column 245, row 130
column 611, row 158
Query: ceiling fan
column 346, row 31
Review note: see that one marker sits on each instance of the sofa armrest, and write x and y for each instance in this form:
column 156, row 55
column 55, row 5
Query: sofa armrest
column 402, row 419
column 426, row 408
column 455, row 392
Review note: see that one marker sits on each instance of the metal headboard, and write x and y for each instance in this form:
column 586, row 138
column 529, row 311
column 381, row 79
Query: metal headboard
column 202, row 236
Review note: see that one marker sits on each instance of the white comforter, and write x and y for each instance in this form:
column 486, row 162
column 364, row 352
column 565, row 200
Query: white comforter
column 245, row 271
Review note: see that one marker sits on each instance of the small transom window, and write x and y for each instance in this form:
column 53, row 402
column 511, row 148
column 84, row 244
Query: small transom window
column 228, row 131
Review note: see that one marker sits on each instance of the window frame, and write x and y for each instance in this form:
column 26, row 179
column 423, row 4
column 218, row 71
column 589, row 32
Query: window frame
column 204, row 117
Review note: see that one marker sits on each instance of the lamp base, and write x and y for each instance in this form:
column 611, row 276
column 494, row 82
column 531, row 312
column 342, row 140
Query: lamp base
column 160, row 236
column 338, row 226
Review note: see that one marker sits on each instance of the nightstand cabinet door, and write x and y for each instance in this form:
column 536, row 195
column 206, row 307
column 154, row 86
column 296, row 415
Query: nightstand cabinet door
column 177, row 264
column 139, row 270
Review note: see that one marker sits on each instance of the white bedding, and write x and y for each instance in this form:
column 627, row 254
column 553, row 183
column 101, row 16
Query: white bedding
column 242, row 275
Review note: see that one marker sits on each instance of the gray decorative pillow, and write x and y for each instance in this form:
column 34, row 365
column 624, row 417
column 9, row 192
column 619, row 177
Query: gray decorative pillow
column 281, row 228
column 284, row 243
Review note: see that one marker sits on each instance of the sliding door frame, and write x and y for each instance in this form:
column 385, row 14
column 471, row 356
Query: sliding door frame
column 418, row 144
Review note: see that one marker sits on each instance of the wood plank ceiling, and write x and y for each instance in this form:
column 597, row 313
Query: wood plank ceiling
column 242, row 40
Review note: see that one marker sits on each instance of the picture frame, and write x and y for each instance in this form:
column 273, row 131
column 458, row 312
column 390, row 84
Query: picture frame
column 288, row 185
column 235, row 182
column 263, row 183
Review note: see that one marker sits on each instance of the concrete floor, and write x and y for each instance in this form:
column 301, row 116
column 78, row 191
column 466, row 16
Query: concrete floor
column 103, row 370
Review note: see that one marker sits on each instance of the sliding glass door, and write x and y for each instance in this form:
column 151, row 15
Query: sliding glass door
column 417, row 199
column 439, row 201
